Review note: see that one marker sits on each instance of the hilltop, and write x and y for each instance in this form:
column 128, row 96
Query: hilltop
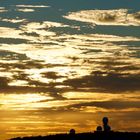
column 87, row 136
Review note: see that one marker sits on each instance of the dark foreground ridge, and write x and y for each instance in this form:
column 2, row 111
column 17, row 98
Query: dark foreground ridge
column 102, row 133
column 87, row 136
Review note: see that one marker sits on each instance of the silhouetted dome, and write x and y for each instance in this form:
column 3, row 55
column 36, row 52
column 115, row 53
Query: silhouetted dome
column 72, row 131
column 99, row 128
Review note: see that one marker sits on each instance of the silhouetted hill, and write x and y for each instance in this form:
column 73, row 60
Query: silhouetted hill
column 87, row 136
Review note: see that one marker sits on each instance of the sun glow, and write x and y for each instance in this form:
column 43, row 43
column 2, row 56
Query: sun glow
column 14, row 101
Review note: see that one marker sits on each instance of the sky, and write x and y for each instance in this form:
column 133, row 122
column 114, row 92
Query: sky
column 66, row 64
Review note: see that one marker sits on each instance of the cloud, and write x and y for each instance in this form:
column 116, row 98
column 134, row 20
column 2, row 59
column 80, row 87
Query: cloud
column 32, row 6
column 106, row 17
column 110, row 82
column 3, row 82
column 2, row 10
column 29, row 8
column 14, row 20
column 52, row 75
column 12, row 40
column 137, row 15
column 116, row 105
column 100, row 96
column 26, row 10
column 8, row 55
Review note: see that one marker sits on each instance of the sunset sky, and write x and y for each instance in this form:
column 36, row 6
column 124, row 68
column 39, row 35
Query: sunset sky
column 67, row 63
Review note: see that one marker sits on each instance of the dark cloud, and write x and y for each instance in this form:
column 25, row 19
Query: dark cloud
column 13, row 41
column 92, row 50
column 21, row 65
column 8, row 55
column 3, row 82
column 109, row 104
column 137, row 15
column 22, row 89
column 106, row 17
column 129, row 44
column 52, row 75
column 124, row 68
column 136, row 54
column 21, row 76
column 118, row 106
column 30, row 34
column 34, row 64
column 111, row 82
column 113, row 75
